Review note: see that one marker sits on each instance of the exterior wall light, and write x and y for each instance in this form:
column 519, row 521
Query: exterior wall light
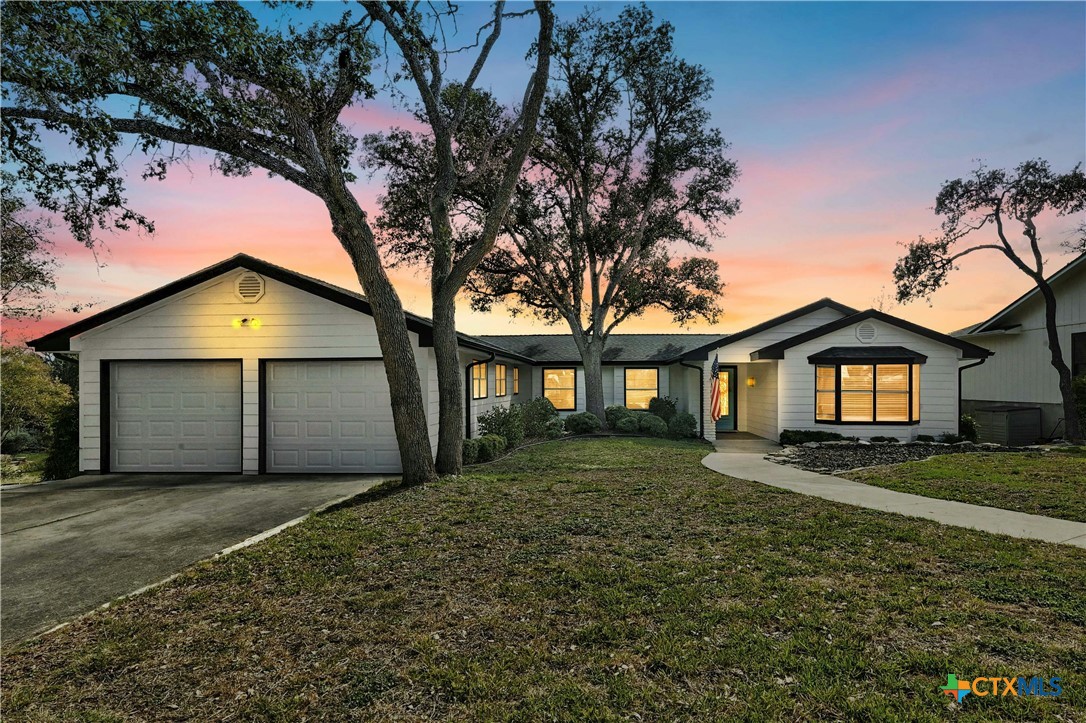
column 247, row 323
column 751, row 382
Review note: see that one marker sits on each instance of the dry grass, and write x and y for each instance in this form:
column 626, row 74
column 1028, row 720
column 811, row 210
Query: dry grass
column 590, row 580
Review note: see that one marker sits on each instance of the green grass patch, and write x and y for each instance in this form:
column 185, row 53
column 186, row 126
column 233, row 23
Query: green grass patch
column 22, row 469
column 609, row 579
column 1051, row 484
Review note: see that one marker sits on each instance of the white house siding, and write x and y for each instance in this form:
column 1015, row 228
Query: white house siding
column 738, row 353
column 1021, row 371
column 938, row 385
column 758, row 405
column 197, row 324
column 482, row 406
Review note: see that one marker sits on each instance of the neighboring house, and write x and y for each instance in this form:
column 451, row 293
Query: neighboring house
column 1021, row 373
column 249, row 367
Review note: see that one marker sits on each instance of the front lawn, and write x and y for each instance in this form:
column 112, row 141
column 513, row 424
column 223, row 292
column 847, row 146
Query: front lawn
column 1052, row 484
column 612, row 579
column 22, row 469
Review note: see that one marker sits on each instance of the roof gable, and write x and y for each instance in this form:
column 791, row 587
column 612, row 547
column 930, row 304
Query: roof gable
column 998, row 321
column 60, row 340
column 776, row 351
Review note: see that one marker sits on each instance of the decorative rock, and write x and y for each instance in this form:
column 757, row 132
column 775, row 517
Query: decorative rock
column 828, row 459
column 811, row 445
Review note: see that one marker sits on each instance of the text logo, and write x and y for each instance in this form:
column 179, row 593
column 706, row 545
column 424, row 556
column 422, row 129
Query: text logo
column 993, row 686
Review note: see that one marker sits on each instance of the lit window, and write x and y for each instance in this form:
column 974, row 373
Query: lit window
column 478, row 380
column 516, row 380
column 641, row 386
column 867, row 393
column 499, row 380
column 560, row 386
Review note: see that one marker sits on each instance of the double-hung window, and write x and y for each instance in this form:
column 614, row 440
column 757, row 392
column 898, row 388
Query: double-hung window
column 478, row 380
column 560, row 386
column 500, row 380
column 641, row 386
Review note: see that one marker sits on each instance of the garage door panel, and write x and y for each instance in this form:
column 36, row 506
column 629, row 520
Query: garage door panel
column 338, row 423
column 175, row 416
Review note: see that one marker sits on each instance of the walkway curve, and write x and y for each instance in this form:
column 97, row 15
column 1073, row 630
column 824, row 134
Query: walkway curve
column 755, row 468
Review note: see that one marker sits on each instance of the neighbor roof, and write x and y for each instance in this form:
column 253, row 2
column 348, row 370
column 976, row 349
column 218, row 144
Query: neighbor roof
column 60, row 340
column 620, row 349
column 776, row 351
column 992, row 324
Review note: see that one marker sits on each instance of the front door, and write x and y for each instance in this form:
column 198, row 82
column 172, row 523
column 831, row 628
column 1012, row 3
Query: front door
column 726, row 423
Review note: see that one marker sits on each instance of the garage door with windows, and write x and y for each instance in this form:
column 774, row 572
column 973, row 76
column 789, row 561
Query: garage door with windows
column 328, row 416
column 175, row 416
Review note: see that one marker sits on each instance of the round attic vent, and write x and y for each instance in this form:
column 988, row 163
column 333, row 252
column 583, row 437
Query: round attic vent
column 249, row 287
column 866, row 332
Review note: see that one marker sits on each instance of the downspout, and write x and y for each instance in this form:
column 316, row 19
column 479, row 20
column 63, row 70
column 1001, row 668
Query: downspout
column 467, row 392
column 977, row 363
column 701, row 395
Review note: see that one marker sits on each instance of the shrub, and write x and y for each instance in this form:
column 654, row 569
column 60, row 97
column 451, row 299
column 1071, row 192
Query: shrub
column 583, row 423
column 1078, row 389
column 16, row 441
column 949, row 438
column 490, row 447
column 554, row 429
column 968, row 428
column 470, row 451
column 505, row 422
column 615, row 413
column 62, row 460
column 536, row 415
column 663, row 407
column 682, row 426
column 628, row 425
column 799, row 436
column 888, row 440
column 925, row 438
column 652, row 425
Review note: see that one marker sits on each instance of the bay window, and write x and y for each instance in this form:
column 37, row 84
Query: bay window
column 868, row 393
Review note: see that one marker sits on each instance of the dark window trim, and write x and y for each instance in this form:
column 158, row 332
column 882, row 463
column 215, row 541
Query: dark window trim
column 562, row 369
column 486, row 380
column 503, row 378
column 626, row 381
column 1075, row 361
column 105, row 454
column 874, row 394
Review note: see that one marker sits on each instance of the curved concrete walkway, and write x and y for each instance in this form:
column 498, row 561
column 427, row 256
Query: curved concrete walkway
column 754, row 467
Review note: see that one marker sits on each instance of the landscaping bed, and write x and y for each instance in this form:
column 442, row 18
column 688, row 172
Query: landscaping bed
column 831, row 457
column 610, row 579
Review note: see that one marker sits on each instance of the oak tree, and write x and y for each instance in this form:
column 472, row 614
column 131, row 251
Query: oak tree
column 996, row 210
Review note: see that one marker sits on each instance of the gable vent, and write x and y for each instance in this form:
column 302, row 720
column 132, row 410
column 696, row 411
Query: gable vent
column 866, row 332
column 249, row 287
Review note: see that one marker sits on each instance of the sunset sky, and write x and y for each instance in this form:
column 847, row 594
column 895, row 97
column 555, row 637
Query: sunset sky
column 844, row 119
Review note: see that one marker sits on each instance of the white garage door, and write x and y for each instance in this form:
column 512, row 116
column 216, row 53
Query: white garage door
column 175, row 416
column 329, row 416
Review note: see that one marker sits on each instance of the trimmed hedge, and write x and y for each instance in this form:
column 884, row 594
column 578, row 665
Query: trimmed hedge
column 505, row 422
column 799, row 436
column 682, row 426
column 663, row 407
column 628, row 425
column 583, row 423
column 554, row 428
column 470, row 451
column 490, row 447
column 653, row 425
column 536, row 416
column 615, row 413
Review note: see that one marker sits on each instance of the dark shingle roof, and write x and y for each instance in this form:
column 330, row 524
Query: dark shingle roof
column 620, row 349
column 885, row 354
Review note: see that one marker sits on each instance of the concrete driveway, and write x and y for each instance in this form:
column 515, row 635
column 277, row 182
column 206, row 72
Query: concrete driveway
column 68, row 547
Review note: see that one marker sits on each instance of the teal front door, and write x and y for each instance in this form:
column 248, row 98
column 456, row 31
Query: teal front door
column 726, row 423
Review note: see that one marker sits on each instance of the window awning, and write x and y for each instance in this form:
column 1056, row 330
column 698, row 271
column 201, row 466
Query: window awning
column 867, row 355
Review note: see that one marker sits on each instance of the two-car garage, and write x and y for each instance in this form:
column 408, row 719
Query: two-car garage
column 315, row 416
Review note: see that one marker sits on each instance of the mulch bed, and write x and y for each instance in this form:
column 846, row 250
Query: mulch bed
column 842, row 456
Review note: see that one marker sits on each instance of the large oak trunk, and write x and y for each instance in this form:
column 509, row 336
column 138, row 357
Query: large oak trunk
column 592, row 357
column 405, row 388
column 1071, row 422
column 450, row 387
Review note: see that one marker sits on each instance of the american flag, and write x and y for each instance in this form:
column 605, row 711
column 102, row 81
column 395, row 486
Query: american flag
column 714, row 396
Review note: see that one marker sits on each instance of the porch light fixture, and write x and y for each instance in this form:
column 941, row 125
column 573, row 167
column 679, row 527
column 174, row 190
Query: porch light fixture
column 247, row 323
column 751, row 381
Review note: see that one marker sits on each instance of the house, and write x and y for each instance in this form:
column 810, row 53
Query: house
column 249, row 367
column 1021, row 373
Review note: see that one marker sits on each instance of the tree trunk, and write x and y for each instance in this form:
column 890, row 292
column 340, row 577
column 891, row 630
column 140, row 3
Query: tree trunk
column 1071, row 422
column 405, row 389
column 592, row 357
column 450, row 387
